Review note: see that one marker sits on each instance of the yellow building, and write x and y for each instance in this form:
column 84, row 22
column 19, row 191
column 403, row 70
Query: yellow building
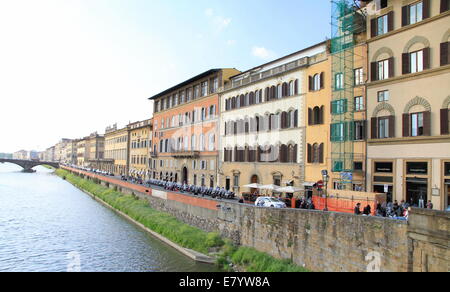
column 140, row 146
column 317, row 111
column 81, row 152
column 116, row 150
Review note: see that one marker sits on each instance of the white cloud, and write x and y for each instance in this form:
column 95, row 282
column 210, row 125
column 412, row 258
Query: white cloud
column 263, row 53
column 231, row 42
column 219, row 22
column 209, row 12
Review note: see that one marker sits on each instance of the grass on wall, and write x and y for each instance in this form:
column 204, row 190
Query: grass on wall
column 162, row 223
column 247, row 259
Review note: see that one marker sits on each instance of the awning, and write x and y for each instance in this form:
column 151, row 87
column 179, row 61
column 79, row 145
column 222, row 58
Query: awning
column 309, row 184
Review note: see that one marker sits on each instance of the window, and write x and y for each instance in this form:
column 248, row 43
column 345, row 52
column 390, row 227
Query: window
column 383, row 69
column 215, row 87
column 360, row 130
column 339, row 106
column 415, row 12
column 416, row 62
column 359, row 103
column 212, row 142
column 358, row 166
column 205, row 88
column 197, row 91
column 383, row 128
column 337, row 132
column 359, row 76
column 382, row 24
column 417, row 128
column 339, row 81
column 383, row 96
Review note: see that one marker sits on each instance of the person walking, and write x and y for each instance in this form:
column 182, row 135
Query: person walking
column 358, row 209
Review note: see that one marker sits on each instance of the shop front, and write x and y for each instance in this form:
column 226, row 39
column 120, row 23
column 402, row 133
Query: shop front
column 416, row 183
column 383, row 178
column 446, row 167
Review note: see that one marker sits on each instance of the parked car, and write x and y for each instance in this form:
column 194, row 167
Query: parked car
column 269, row 202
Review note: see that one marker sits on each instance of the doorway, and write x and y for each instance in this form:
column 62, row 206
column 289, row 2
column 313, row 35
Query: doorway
column 389, row 195
column 417, row 192
column 254, row 180
column 184, row 175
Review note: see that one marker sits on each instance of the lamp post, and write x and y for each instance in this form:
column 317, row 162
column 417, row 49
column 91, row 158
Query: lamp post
column 326, row 178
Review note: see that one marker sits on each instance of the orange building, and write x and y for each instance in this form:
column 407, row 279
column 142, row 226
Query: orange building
column 185, row 129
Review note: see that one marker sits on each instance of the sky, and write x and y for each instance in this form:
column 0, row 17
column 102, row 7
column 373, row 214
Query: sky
column 69, row 68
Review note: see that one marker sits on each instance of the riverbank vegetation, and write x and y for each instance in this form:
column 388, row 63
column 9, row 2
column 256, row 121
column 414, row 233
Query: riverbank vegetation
column 247, row 259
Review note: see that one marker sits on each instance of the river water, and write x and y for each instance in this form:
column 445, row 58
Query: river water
column 46, row 224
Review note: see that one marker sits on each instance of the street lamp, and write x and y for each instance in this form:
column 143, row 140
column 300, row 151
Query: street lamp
column 326, row 179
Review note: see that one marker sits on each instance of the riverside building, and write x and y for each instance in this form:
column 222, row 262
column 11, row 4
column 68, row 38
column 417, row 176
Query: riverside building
column 140, row 146
column 409, row 101
column 263, row 120
column 185, row 129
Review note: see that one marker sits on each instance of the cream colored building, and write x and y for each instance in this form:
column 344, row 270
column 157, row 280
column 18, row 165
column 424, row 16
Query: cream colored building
column 140, row 146
column 409, row 101
column 116, row 151
column 262, row 125
column 81, row 152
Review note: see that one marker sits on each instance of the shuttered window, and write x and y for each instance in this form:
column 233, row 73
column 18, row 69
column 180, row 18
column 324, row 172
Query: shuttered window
column 445, row 121
column 445, row 53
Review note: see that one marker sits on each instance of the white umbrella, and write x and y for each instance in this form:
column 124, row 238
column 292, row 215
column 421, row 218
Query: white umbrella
column 289, row 190
column 269, row 187
column 253, row 186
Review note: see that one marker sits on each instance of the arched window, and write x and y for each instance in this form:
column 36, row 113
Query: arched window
column 246, row 100
column 285, row 90
column 284, row 154
column 279, row 91
column 252, row 98
column 193, row 143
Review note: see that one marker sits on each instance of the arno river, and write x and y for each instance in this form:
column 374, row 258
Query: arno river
column 46, row 224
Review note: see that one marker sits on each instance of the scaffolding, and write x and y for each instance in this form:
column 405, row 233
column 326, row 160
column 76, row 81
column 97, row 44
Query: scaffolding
column 346, row 23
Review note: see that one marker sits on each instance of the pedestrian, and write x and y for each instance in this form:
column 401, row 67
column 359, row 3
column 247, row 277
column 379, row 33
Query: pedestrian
column 430, row 205
column 358, row 209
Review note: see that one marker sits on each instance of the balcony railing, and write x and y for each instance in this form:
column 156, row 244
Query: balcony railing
column 253, row 77
column 185, row 154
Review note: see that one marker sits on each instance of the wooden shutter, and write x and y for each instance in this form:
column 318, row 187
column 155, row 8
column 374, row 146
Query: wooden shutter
column 309, row 153
column 283, row 120
column 310, row 114
column 373, row 71
column 321, row 151
column 321, row 115
column 373, row 128
column 426, row 9
column 426, row 58
column 444, row 6
column 373, row 28
column 391, row 126
column 406, row 132
column 445, row 56
column 391, row 67
column 444, row 121
column 390, row 21
column 310, row 83
column 405, row 15
column 405, row 63
column 427, row 123
column 294, row 158
column 296, row 119
column 296, row 87
column 322, row 80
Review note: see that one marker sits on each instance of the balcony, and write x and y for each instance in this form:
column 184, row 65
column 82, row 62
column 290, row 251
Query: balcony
column 185, row 154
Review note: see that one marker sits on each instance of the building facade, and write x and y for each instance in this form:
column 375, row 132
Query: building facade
column 81, row 152
column 185, row 127
column 140, row 146
column 95, row 150
column 116, row 151
column 262, row 134
column 409, row 101
column 20, row 155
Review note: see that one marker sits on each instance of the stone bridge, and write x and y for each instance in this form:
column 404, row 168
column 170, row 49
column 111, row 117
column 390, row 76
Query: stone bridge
column 28, row 165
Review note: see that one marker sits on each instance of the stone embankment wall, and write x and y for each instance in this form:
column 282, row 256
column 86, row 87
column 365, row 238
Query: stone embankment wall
column 319, row 241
